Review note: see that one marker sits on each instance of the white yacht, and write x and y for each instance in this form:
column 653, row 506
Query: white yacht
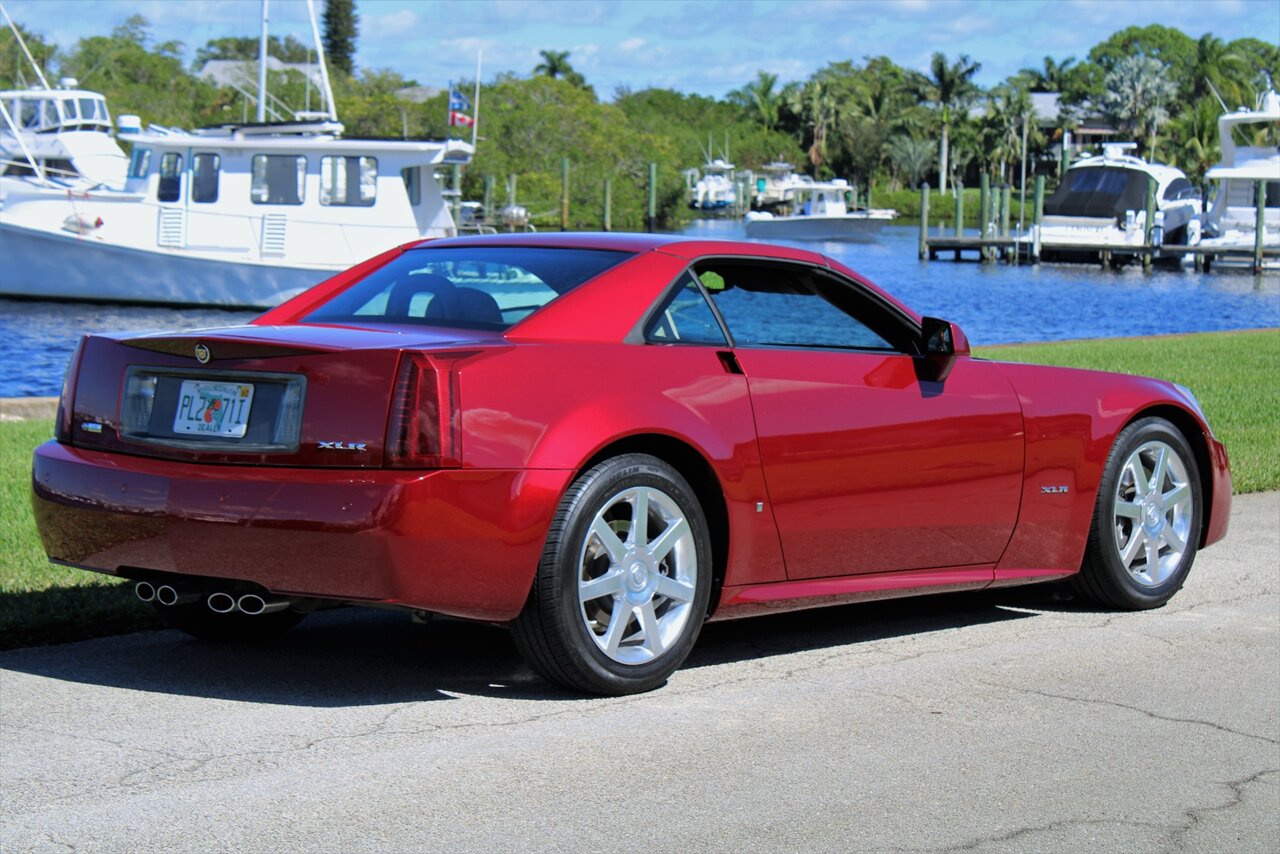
column 1102, row 200
column 773, row 185
column 715, row 190
column 1231, row 220
column 819, row 210
column 63, row 134
column 242, row 215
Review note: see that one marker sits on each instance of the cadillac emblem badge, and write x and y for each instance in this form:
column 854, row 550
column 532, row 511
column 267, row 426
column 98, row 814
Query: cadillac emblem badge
column 202, row 354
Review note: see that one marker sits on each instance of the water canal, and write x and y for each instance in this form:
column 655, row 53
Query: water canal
column 995, row 303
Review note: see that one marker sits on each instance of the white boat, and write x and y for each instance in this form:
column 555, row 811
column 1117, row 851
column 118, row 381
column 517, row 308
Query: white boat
column 1231, row 220
column 772, row 186
column 64, row 134
column 242, row 215
column 715, row 190
column 819, row 210
column 1102, row 200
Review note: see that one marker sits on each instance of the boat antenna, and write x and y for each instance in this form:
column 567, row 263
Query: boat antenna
column 21, row 43
column 262, row 67
column 1216, row 95
column 324, row 68
column 475, row 114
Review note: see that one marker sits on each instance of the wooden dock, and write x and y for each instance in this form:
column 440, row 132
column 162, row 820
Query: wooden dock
column 994, row 242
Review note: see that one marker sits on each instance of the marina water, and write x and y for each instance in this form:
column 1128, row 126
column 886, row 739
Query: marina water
column 994, row 303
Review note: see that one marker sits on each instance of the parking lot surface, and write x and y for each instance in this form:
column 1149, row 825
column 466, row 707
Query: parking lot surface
column 1016, row 720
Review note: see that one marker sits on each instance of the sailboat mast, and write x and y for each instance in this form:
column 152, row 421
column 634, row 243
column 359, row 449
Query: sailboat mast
column 262, row 67
column 324, row 67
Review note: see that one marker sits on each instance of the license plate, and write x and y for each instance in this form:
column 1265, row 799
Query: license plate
column 213, row 408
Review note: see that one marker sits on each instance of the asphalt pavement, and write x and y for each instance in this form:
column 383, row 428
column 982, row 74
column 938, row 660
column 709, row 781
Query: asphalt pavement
column 1001, row 721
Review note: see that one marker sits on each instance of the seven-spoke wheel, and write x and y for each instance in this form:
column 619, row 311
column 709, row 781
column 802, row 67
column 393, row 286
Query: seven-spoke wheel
column 1147, row 522
column 622, row 588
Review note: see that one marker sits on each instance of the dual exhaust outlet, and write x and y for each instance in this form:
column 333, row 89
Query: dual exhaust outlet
column 219, row 602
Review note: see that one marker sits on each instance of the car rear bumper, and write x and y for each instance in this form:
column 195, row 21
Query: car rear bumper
column 1220, row 503
column 459, row 542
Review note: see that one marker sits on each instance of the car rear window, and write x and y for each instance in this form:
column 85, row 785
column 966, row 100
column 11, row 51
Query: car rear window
column 481, row 287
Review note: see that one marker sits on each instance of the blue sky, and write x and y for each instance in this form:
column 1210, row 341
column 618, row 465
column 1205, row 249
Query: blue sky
column 700, row 46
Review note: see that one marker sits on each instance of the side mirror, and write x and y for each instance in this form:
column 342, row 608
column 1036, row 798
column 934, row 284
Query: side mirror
column 941, row 342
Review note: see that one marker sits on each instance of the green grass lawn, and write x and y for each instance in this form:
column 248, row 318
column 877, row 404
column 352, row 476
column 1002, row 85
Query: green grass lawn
column 1236, row 376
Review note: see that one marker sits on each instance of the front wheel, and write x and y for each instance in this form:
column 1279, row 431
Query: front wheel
column 1146, row 525
column 622, row 588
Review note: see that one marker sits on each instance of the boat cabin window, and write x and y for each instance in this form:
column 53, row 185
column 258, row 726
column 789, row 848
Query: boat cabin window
column 204, row 177
column 413, row 184
column 49, row 114
column 29, row 115
column 170, row 186
column 348, row 181
column 139, row 162
column 88, row 109
column 69, row 108
column 278, row 179
column 1180, row 188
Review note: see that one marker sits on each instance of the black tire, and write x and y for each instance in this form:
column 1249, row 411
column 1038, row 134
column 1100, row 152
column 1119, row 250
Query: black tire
column 566, row 639
column 1142, row 583
column 197, row 620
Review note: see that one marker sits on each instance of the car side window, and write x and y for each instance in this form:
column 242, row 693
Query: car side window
column 686, row 318
column 783, row 305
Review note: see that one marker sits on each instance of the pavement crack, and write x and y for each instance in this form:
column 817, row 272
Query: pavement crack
column 1237, row 787
column 1014, row 835
column 1145, row 712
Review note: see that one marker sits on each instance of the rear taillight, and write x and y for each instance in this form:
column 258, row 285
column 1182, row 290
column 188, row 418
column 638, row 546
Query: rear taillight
column 422, row 430
column 66, row 401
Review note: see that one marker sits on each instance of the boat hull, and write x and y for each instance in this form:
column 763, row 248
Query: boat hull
column 850, row 229
column 43, row 265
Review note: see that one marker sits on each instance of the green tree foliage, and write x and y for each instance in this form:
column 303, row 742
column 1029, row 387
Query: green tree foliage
column 341, row 28
column 1263, row 60
column 1139, row 93
column 288, row 49
column 15, row 70
column 555, row 64
column 761, row 98
column 149, row 81
column 950, row 87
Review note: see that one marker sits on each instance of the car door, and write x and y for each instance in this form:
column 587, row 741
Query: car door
column 868, row 467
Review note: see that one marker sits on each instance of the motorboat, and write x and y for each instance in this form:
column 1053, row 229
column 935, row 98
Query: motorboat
column 715, row 190
column 240, row 215
column 1231, row 219
column 64, row 134
column 818, row 210
column 773, row 185
column 1101, row 204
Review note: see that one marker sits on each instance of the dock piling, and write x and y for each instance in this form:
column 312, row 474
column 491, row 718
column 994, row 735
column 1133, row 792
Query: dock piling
column 1149, row 225
column 608, row 204
column 488, row 200
column 924, row 221
column 1039, row 217
column 1006, row 202
column 1259, row 223
column 652, row 218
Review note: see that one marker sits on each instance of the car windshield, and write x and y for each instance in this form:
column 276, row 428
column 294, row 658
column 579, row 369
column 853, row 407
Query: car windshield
column 480, row 287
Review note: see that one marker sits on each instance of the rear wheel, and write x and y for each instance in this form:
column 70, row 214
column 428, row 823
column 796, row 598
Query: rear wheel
column 1146, row 525
column 622, row 588
column 195, row 619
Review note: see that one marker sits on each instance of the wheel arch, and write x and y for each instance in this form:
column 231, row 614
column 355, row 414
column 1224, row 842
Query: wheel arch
column 694, row 467
column 1190, row 428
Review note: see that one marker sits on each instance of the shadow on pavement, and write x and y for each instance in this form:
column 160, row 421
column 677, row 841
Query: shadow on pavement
column 359, row 657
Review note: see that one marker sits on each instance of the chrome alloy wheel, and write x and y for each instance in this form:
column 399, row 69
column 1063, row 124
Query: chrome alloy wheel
column 1154, row 509
column 637, row 575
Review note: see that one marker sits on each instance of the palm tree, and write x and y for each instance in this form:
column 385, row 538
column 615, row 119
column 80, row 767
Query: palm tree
column 1217, row 67
column 1139, row 91
column 950, row 87
column 912, row 158
column 1196, row 134
column 555, row 63
column 762, row 98
column 821, row 112
column 1007, row 109
column 1051, row 76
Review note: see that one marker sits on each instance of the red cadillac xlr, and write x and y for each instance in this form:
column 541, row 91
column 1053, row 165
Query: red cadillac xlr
column 603, row 441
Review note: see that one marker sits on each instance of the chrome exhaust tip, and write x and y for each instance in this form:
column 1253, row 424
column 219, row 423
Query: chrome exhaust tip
column 253, row 605
column 145, row 590
column 221, row 603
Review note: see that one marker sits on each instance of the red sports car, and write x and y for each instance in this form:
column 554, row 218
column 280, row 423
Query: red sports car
column 603, row 441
